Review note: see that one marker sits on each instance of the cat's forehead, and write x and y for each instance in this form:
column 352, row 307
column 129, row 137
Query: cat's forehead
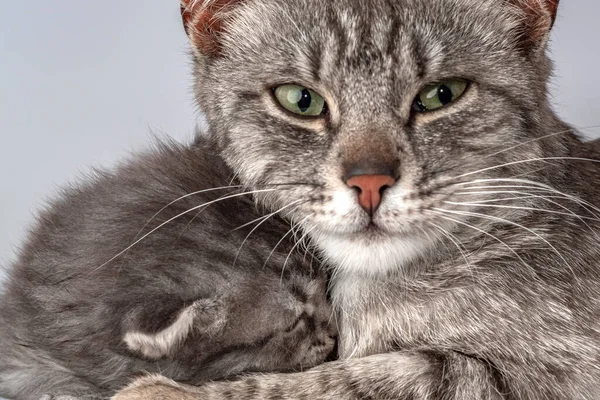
column 371, row 41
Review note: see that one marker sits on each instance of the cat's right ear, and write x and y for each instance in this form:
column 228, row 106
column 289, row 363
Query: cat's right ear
column 538, row 19
column 203, row 21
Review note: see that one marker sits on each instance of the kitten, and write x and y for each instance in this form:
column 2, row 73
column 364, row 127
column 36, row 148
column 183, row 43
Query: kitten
column 202, row 297
column 455, row 209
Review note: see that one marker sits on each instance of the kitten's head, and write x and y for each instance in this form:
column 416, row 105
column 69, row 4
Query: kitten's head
column 262, row 322
column 381, row 115
column 273, row 324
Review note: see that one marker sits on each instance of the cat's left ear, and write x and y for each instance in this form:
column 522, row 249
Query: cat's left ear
column 539, row 17
column 203, row 22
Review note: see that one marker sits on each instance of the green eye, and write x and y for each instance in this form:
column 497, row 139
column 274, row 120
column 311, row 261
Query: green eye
column 438, row 95
column 300, row 100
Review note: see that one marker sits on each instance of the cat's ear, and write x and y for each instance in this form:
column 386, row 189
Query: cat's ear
column 203, row 22
column 539, row 17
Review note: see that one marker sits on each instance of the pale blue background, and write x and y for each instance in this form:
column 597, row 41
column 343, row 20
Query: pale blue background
column 85, row 82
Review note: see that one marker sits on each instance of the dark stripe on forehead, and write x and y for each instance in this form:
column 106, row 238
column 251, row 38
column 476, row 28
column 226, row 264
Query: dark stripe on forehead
column 315, row 56
column 393, row 32
column 418, row 52
column 365, row 22
column 339, row 33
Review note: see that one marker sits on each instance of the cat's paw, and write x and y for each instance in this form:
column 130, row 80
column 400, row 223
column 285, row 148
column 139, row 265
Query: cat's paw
column 156, row 387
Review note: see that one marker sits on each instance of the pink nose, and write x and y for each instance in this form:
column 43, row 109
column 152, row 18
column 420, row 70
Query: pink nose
column 370, row 188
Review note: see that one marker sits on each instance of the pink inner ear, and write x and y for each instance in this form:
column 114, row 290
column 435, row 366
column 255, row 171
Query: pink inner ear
column 552, row 7
column 202, row 22
column 540, row 14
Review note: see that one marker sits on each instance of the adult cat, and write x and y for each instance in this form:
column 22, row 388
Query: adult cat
column 457, row 211
column 202, row 295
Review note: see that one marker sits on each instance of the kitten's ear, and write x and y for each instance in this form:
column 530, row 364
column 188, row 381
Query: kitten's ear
column 539, row 17
column 203, row 22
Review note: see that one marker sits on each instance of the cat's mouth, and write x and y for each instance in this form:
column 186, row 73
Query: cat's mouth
column 372, row 229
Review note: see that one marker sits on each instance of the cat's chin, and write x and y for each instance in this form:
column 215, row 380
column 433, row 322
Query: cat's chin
column 371, row 251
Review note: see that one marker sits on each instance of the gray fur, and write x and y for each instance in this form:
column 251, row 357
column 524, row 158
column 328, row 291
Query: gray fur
column 482, row 279
column 445, row 300
column 74, row 324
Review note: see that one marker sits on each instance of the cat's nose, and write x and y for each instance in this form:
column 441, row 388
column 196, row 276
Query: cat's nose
column 370, row 189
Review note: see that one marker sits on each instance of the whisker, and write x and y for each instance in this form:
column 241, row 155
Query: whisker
column 478, row 204
column 441, row 214
column 546, row 199
column 528, row 161
column 262, row 221
column 281, row 240
column 293, row 184
column 537, row 185
column 495, row 200
column 454, row 240
column 181, row 198
column 294, row 248
column 542, row 138
column 503, row 220
column 178, row 216
column 200, row 211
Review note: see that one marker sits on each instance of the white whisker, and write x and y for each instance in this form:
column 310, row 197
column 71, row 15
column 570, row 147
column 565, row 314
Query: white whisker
column 456, row 242
column 282, row 239
column 536, row 186
column 543, row 198
column 503, row 220
column 178, row 216
column 181, row 198
column 495, row 200
column 441, row 214
column 294, row 247
column 262, row 221
column 541, row 138
column 479, row 204
column 541, row 159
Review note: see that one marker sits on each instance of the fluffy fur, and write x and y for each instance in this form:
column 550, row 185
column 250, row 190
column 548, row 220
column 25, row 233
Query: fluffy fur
column 494, row 292
column 204, row 296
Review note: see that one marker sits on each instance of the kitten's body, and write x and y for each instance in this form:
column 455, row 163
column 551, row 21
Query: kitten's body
column 74, row 325
column 477, row 277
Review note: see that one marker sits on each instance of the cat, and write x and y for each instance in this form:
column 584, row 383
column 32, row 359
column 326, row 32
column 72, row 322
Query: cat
column 199, row 295
column 457, row 210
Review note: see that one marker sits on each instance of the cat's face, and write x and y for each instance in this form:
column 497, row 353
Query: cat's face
column 274, row 325
column 370, row 61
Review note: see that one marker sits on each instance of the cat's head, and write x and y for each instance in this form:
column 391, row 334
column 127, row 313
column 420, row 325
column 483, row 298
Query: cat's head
column 264, row 321
column 374, row 119
column 273, row 324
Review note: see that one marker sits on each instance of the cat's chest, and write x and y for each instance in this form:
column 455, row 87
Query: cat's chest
column 374, row 316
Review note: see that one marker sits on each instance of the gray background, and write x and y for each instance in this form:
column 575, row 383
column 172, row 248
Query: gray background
column 85, row 83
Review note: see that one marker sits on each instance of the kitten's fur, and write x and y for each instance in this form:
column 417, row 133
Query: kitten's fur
column 176, row 303
column 478, row 275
